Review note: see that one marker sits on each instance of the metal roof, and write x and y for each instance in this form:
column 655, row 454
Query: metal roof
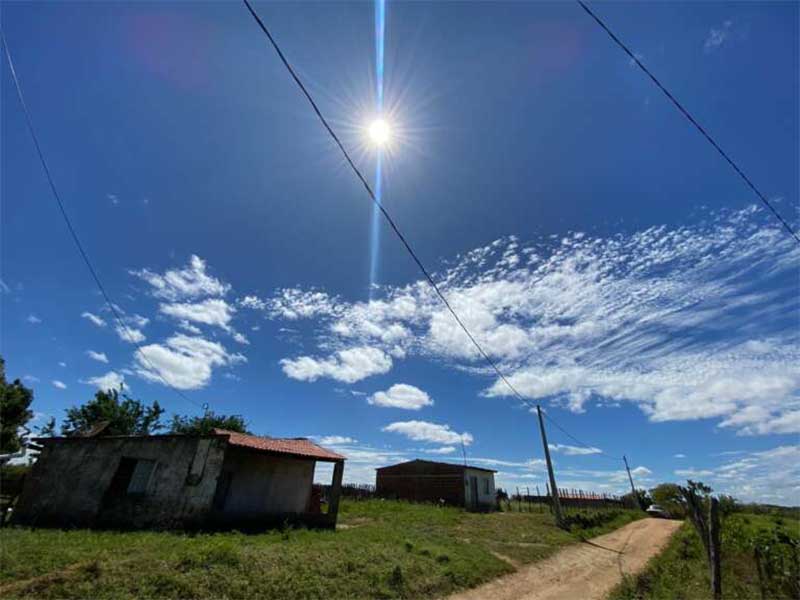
column 436, row 462
column 302, row 447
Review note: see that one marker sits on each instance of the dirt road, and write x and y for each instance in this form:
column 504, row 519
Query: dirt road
column 586, row 571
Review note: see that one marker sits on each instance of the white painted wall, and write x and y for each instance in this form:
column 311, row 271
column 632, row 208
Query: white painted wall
column 484, row 477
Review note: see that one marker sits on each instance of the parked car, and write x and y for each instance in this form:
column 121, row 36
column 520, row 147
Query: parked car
column 657, row 511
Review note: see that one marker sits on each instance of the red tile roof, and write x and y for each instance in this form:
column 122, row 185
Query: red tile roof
column 292, row 446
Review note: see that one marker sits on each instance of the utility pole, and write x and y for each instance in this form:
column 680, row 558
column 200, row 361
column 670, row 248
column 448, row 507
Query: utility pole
column 463, row 450
column 553, row 487
column 630, row 478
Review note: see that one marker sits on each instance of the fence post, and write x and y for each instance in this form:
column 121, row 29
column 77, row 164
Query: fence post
column 714, row 549
column 519, row 501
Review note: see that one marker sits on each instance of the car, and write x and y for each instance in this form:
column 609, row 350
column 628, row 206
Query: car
column 657, row 511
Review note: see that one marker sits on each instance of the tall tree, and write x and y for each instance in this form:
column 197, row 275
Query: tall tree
column 125, row 415
column 203, row 425
column 15, row 412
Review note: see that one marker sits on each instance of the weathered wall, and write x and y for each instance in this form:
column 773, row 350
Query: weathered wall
column 265, row 486
column 485, row 500
column 422, row 481
column 69, row 481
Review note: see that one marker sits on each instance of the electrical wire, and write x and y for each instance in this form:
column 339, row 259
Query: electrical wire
column 389, row 218
column 112, row 307
column 692, row 120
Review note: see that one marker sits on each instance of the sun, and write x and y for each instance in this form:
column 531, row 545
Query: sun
column 379, row 132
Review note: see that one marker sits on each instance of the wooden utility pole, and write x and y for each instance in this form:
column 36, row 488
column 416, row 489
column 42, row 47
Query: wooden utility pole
column 633, row 488
column 714, row 549
column 551, row 475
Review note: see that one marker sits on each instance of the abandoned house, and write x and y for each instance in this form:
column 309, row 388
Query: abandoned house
column 224, row 479
column 428, row 481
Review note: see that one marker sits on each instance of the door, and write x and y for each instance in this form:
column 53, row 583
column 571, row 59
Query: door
column 473, row 492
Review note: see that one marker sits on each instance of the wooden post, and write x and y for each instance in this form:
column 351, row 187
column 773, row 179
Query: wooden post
column 714, row 549
column 519, row 501
column 528, row 498
column 336, row 491
column 633, row 488
column 551, row 475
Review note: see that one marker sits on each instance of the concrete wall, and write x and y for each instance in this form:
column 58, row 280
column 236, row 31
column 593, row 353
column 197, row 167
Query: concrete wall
column 264, row 485
column 485, row 500
column 68, row 484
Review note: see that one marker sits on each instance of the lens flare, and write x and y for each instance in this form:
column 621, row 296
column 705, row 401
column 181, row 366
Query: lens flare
column 379, row 132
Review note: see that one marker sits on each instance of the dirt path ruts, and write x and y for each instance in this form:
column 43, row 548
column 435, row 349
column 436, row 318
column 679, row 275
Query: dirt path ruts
column 587, row 571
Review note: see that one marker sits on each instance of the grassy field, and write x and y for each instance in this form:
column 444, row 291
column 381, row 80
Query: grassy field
column 383, row 549
column 681, row 571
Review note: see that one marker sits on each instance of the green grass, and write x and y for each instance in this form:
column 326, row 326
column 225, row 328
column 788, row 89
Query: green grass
column 681, row 571
column 383, row 549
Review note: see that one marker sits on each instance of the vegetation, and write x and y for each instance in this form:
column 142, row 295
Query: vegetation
column 124, row 415
column 760, row 559
column 210, row 420
column 15, row 411
column 383, row 549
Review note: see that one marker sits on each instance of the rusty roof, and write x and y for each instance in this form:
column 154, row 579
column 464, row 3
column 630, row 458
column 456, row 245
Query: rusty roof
column 302, row 447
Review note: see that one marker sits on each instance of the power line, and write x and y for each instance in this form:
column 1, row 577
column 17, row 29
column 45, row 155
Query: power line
column 120, row 322
column 692, row 120
column 577, row 441
column 388, row 217
column 380, row 207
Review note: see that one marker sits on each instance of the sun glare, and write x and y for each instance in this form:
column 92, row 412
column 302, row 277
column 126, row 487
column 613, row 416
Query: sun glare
column 379, row 132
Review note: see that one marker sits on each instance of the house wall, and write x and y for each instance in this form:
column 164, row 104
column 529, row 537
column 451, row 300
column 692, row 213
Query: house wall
column 422, row 482
column 485, row 500
column 264, row 485
column 68, row 484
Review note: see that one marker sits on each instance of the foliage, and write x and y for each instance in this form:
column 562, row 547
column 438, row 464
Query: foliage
column 383, row 549
column 203, row 425
column 15, row 412
column 681, row 571
column 125, row 417
column 501, row 494
column 670, row 498
column 641, row 500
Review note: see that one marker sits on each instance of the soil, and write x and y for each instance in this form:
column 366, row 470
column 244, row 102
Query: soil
column 588, row 571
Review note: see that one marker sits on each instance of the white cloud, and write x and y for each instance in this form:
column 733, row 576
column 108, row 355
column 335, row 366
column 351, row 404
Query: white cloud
column 349, row 366
column 252, row 302
column 441, row 450
column 423, row 431
column 187, row 283
column 33, row 319
column 295, row 304
column 59, row 384
column 212, row 311
column 130, row 334
column 62, row 364
column 693, row 473
column 641, row 472
column 679, row 456
column 30, row 378
column 184, row 362
column 401, row 395
column 574, row 450
column 695, row 322
column 99, row 321
column 240, row 338
column 336, row 440
column 717, row 36
column 98, row 356
column 769, row 476
column 109, row 381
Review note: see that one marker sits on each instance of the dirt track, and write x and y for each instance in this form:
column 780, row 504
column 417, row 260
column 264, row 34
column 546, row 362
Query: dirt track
column 587, row 571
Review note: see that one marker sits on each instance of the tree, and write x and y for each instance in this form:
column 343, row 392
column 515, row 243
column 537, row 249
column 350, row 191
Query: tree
column 15, row 412
column 203, row 425
column 670, row 498
column 124, row 415
column 641, row 499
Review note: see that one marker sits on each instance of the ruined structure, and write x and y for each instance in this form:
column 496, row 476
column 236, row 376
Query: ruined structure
column 224, row 479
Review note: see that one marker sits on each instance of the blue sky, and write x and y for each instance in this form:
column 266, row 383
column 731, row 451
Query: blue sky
column 606, row 257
